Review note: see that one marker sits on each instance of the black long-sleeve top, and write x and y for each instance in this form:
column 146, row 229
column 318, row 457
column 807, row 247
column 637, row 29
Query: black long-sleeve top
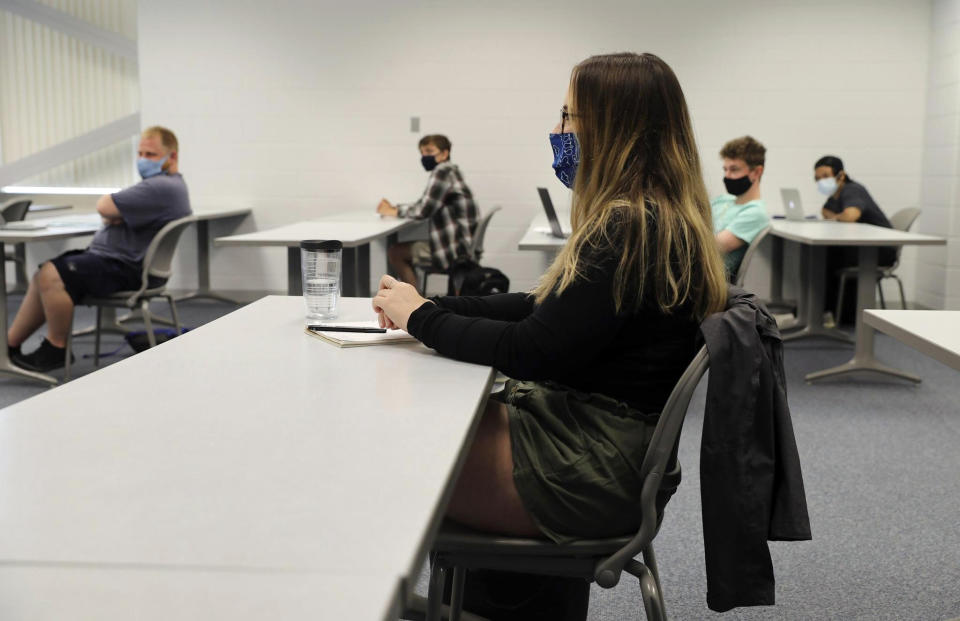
column 575, row 338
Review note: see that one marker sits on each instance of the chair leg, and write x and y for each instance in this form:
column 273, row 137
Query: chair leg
column 651, row 595
column 69, row 352
column 903, row 298
column 96, row 338
column 650, row 560
column 173, row 315
column 456, row 593
column 147, row 324
column 883, row 302
column 426, row 275
column 435, row 591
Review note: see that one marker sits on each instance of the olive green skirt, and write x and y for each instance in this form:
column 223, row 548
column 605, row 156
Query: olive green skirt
column 576, row 459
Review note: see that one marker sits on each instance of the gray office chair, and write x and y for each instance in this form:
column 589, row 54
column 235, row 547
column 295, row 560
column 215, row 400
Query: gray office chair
column 157, row 264
column 475, row 252
column 748, row 256
column 16, row 211
column 902, row 221
column 602, row 560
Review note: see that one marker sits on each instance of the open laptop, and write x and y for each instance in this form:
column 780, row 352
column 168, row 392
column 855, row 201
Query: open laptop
column 792, row 208
column 555, row 228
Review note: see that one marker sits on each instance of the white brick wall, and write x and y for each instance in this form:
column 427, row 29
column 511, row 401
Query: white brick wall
column 302, row 108
column 938, row 269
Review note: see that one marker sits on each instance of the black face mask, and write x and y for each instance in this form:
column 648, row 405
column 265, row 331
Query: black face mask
column 429, row 162
column 738, row 186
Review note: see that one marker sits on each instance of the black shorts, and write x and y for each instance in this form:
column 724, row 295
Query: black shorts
column 85, row 274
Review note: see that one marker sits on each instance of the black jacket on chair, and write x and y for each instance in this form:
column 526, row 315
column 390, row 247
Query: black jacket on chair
column 751, row 487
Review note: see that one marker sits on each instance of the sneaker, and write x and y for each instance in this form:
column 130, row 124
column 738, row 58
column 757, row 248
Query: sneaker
column 47, row 357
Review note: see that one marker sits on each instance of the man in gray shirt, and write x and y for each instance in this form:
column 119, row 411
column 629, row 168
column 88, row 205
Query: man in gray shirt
column 113, row 261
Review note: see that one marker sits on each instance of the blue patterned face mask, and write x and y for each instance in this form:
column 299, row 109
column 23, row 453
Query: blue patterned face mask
column 150, row 168
column 566, row 156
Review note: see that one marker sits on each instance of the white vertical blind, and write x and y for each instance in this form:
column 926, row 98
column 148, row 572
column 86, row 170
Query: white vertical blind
column 54, row 88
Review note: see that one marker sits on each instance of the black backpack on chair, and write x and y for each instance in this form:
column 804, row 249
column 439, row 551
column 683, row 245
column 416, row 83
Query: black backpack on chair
column 467, row 277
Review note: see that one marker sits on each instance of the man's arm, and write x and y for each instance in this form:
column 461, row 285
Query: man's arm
column 108, row 210
column 432, row 198
column 849, row 214
column 728, row 241
column 827, row 214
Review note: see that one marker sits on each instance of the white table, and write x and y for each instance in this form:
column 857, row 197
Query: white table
column 932, row 332
column 536, row 237
column 357, row 231
column 62, row 227
column 117, row 593
column 20, row 250
column 815, row 237
column 244, row 445
column 34, row 208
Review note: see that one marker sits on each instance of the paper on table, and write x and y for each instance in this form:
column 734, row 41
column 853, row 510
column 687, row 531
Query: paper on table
column 358, row 339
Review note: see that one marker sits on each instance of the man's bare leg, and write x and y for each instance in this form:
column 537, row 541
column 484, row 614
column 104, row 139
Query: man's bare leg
column 29, row 316
column 57, row 305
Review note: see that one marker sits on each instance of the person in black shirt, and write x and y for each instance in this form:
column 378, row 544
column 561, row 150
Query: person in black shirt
column 847, row 201
column 595, row 349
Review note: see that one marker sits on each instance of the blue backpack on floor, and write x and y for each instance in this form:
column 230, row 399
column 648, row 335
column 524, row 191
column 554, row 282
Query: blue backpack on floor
column 138, row 338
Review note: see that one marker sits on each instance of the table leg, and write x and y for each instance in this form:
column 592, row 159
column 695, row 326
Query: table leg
column 6, row 366
column 810, row 309
column 203, row 269
column 363, row 271
column 863, row 358
column 20, row 269
column 776, row 272
column 352, row 271
column 294, row 279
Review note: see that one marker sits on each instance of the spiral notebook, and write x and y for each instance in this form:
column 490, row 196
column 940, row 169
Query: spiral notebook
column 360, row 339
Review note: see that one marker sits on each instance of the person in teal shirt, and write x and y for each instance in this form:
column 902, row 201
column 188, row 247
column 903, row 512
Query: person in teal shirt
column 740, row 214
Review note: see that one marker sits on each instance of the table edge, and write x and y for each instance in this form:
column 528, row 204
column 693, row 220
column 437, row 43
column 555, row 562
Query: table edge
column 924, row 346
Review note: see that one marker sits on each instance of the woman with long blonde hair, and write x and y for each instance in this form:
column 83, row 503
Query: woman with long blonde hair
column 595, row 349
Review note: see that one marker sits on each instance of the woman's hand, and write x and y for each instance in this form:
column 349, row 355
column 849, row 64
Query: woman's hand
column 395, row 302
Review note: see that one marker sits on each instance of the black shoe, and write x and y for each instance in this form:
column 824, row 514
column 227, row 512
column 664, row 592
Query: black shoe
column 47, row 357
column 15, row 356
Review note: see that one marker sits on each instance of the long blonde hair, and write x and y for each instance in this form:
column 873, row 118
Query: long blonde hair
column 639, row 166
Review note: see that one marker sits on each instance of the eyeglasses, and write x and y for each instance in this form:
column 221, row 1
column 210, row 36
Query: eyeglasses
column 565, row 116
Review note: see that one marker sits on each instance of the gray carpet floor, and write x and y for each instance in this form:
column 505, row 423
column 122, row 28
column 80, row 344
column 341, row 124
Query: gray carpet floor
column 881, row 463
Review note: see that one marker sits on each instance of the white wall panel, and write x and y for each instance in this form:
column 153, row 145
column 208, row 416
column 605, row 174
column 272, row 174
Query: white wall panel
column 53, row 88
column 938, row 271
column 300, row 108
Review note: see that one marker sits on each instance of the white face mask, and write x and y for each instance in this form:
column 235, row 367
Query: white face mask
column 827, row 185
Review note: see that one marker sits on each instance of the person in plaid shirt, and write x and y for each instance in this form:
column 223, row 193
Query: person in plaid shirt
column 447, row 202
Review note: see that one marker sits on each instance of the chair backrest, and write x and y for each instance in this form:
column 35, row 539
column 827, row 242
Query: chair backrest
column 657, row 460
column 476, row 248
column 748, row 256
column 16, row 211
column 159, row 255
column 902, row 221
